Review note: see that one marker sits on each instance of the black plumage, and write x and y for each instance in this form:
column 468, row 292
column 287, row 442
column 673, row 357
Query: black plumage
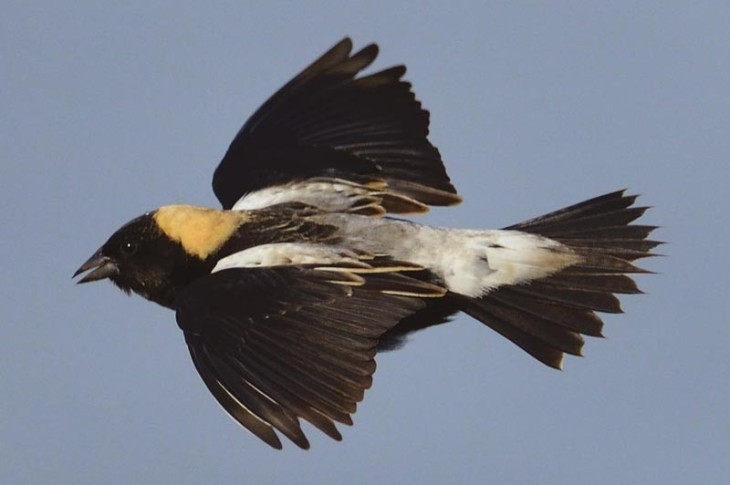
column 286, row 296
column 275, row 344
column 327, row 122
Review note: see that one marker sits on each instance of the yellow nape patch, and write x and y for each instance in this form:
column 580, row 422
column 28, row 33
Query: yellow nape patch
column 200, row 231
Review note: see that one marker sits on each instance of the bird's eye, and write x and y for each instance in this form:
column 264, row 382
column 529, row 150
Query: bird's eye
column 128, row 248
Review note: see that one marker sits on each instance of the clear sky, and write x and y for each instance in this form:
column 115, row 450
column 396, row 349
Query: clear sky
column 112, row 109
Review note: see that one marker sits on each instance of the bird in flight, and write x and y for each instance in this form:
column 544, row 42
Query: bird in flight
column 286, row 294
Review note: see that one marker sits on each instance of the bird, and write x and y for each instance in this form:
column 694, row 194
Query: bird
column 313, row 264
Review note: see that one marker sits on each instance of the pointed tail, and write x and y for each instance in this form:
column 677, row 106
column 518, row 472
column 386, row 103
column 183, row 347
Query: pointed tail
column 546, row 317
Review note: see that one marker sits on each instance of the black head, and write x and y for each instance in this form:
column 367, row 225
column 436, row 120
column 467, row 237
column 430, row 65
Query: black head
column 140, row 257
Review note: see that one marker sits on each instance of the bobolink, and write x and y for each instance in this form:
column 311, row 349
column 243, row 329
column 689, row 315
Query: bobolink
column 285, row 296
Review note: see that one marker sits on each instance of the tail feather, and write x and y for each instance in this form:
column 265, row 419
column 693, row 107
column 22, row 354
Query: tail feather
column 603, row 301
column 567, row 227
column 582, row 321
column 546, row 317
column 615, row 283
column 533, row 345
column 626, row 233
column 554, row 335
column 629, row 250
column 604, row 204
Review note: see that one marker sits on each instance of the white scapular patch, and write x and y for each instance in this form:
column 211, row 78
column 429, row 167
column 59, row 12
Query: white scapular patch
column 283, row 254
column 332, row 195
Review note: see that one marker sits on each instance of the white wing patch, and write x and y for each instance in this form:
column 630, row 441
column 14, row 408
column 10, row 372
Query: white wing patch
column 331, row 195
column 284, row 254
column 372, row 198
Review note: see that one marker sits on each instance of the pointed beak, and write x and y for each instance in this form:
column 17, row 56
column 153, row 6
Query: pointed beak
column 102, row 266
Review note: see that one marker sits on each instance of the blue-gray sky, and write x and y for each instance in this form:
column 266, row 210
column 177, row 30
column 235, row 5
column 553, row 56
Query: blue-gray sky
column 109, row 110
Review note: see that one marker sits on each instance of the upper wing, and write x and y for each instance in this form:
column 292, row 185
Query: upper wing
column 281, row 343
column 343, row 131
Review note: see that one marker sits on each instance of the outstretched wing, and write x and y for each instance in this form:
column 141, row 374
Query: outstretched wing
column 328, row 137
column 281, row 343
